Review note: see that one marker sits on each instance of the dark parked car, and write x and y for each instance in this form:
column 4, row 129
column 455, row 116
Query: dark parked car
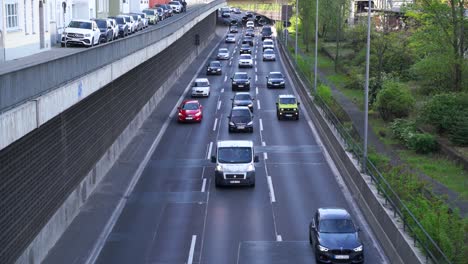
column 248, row 40
column 334, row 237
column 214, row 67
column 162, row 15
column 124, row 30
column 240, row 119
column 240, row 81
column 243, row 99
column 275, row 79
column 245, row 49
column 107, row 32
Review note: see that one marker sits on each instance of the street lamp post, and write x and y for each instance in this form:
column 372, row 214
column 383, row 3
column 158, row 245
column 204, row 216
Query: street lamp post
column 316, row 44
column 297, row 17
column 366, row 89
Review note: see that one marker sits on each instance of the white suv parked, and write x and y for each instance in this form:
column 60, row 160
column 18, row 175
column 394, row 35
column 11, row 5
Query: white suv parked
column 176, row 6
column 201, row 87
column 81, row 32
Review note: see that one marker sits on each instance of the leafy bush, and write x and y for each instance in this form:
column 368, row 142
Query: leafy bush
column 325, row 93
column 422, row 143
column 443, row 110
column 394, row 100
column 401, row 127
column 459, row 131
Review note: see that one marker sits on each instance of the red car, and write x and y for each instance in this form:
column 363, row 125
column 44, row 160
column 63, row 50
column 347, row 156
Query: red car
column 190, row 111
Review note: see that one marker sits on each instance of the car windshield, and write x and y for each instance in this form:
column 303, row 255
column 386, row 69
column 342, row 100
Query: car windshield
column 276, row 75
column 215, row 64
column 245, row 46
column 173, row 3
column 242, row 97
column 101, row 23
column 266, row 30
column 201, row 84
column 190, row 106
column 267, row 42
column 80, row 24
column 234, row 155
column 287, row 100
column 223, row 51
column 120, row 20
column 240, row 112
column 336, row 226
column 245, row 57
column 230, row 35
column 149, row 12
column 240, row 76
column 269, row 51
column 135, row 17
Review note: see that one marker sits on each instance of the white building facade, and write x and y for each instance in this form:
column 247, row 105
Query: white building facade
column 24, row 28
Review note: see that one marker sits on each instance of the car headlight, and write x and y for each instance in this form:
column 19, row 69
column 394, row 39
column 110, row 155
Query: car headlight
column 269, row 82
column 250, row 105
column 358, row 249
column 218, row 69
column 281, row 109
column 234, row 82
column 247, row 82
column 231, row 124
column 282, row 82
column 209, row 69
column 198, row 114
column 180, row 114
column 323, row 249
column 250, row 123
column 250, row 168
column 219, row 168
column 87, row 35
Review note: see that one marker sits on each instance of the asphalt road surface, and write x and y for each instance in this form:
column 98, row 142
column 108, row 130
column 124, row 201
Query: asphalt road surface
column 177, row 215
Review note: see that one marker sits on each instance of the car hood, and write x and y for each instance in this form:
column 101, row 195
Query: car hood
column 78, row 30
column 245, row 60
column 288, row 106
column 214, row 67
column 223, row 54
column 339, row 241
column 189, row 112
column 268, row 55
column 227, row 167
column 276, row 80
column 242, row 102
column 200, row 88
column 240, row 119
column 241, row 80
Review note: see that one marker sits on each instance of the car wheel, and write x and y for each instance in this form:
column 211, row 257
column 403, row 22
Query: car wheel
column 252, row 185
column 92, row 42
column 230, row 129
column 310, row 239
column 62, row 45
column 251, row 130
column 297, row 117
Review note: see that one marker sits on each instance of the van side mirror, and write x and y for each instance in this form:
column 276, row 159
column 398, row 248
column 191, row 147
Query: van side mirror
column 276, row 103
column 298, row 103
column 256, row 159
column 213, row 159
column 312, row 225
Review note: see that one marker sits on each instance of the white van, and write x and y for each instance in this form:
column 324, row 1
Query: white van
column 234, row 163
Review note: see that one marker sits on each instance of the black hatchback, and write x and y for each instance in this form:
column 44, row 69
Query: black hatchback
column 243, row 99
column 214, row 67
column 334, row 237
column 240, row 81
column 240, row 119
column 245, row 49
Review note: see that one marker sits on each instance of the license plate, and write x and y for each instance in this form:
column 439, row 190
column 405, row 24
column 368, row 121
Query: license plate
column 241, row 85
column 234, row 181
column 341, row 257
column 289, row 115
column 189, row 118
column 240, row 127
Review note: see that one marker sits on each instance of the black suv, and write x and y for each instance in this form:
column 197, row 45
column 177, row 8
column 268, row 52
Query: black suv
column 233, row 29
column 266, row 32
column 240, row 119
column 214, row 67
column 243, row 99
column 123, row 26
column 248, row 40
column 240, row 80
column 334, row 237
column 249, row 33
column 245, row 49
column 275, row 79
column 107, row 32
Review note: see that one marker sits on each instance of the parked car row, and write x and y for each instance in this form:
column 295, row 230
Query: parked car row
column 84, row 32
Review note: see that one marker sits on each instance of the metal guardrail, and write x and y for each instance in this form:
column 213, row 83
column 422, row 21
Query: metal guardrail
column 21, row 85
column 420, row 236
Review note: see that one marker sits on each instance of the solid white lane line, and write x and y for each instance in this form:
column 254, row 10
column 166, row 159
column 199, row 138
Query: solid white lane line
column 192, row 249
column 214, row 126
column 272, row 191
column 222, row 90
column 279, row 238
column 265, row 156
column 258, row 104
column 209, row 150
column 203, row 185
column 256, row 90
column 261, row 124
column 219, row 104
column 225, row 78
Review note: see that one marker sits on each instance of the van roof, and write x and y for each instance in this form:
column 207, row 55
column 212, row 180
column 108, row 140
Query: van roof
column 234, row 143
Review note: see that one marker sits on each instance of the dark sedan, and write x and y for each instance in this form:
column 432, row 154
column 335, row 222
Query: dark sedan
column 240, row 119
column 123, row 26
column 248, row 40
column 107, row 32
column 249, row 33
column 334, row 237
column 234, row 29
column 214, row 67
column 245, row 49
column 275, row 79
column 243, row 99
column 240, row 81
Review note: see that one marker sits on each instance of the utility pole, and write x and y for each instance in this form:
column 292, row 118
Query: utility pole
column 366, row 89
column 316, row 44
column 297, row 18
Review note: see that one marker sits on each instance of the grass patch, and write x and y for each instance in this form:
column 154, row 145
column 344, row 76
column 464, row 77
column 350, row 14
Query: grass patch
column 439, row 168
column 383, row 131
column 357, row 96
column 338, row 79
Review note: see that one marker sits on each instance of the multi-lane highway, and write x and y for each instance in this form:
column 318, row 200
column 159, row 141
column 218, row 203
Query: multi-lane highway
column 175, row 213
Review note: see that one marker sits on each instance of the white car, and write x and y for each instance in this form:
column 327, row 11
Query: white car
column 268, row 44
column 223, row 54
column 201, row 87
column 269, row 55
column 115, row 27
column 245, row 60
column 81, row 32
column 230, row 38
column 250, row 24
column 176, row 6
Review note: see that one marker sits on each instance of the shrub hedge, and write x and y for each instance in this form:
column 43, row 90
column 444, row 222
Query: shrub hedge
column 394, row 100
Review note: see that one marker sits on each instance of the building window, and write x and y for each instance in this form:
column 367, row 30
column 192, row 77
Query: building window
column 11, row 15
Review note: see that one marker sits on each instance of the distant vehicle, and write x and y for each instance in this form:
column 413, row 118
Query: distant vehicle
column 234, row 29
column 237, row 11
column 287, row 106
column 268, row 44
column 248, row 14
column 248, row 40
column 190, row 111
column 143, row 17
column 275, row 79
column 138, row 21
column 214, row 67
column 240, row 81
column 223, row 54
column 201, row 87
column 107, row 32
column 243, row 99
column 245, row 60
column 266, row 32
column 225, row 9
column 226, row 14
column 115, row 27
column 250, row 32
column 240, row 119
column 250, row 24
column 235, row 163
column 161, row 14
column 124, row 29
column 133, row 25
column 81, row 32
column 152, row 15
column 334, row 237
column 176, row 6
column 245, row 49
column 230, row 38
column 269, row 55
